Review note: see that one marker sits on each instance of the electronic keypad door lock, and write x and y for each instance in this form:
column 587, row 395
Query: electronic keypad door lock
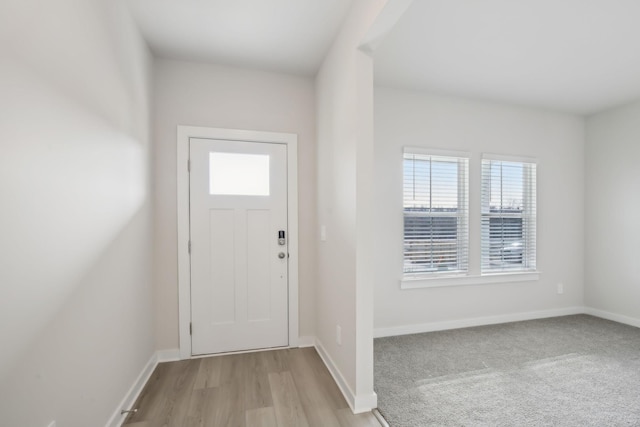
column 281, row 239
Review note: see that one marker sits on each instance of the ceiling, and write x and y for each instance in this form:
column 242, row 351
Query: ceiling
column 578, row 56
column 290, row 36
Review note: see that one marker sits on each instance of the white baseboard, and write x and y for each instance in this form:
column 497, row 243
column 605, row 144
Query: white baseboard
column 365, row 403
column 130, row 398
column 357, row 403
column 307, row 341
column 348, row 394
column 478, row 321
column 631, row 321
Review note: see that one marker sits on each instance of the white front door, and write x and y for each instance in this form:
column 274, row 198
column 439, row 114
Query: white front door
column 239, row 258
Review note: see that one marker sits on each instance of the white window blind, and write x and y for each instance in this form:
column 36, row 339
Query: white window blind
column 508, row 216
column 436, row 237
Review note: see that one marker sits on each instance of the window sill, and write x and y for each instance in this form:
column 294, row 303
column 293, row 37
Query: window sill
column 416, row 282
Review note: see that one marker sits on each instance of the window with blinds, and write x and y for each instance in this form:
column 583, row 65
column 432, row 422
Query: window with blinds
column 436, row 237
column 508, row 216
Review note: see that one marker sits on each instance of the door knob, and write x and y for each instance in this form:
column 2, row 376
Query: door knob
column 281, row 255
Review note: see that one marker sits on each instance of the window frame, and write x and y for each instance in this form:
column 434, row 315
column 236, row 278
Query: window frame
column 474, row 274
column 462, row 238
column 528, row 215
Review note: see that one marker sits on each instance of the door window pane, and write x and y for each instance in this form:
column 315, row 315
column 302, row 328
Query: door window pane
column 239, row 174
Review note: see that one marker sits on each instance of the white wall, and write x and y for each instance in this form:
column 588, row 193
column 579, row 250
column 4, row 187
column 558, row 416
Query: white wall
column 556, row 140
column 344, row 87
column 75, row 277
column 217, row 96
column 612, row 203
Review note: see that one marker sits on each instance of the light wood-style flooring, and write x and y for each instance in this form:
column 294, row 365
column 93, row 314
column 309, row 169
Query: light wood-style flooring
column 289, row 387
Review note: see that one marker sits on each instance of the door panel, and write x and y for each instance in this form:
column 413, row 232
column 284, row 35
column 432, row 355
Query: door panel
column 239, row 283
column 222, row 255
column 258, row 262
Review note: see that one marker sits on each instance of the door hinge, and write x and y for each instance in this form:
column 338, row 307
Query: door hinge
column 188, row 165
column 190, row 328
column 189, row 248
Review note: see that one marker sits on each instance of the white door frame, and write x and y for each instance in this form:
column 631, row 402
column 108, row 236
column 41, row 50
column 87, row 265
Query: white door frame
column 184, row 259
